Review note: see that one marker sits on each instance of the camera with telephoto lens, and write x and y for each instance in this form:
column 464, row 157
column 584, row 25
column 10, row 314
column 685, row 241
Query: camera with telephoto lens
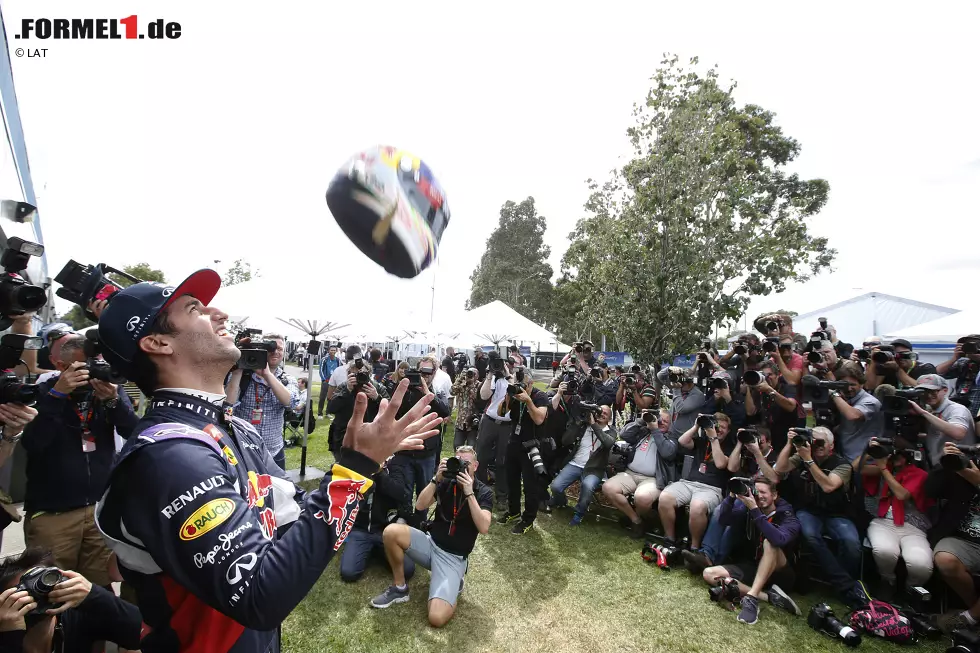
column 726, row 591
column 471, row 373
column 752, row 378
column 864, row 354
column 898, row 404
column 455, row 465
column 361, row 379
column 747, row 436
column 770, row 344
column 38, row 582
column 816, row 341
column 514, row 389
column 773, row 325
column 740, row 348
column 98, row 368
column 881, row 448
column 629, row 379
column 84, row 284
column 595, row 409
column 649, row 416
column 823, row 620
column 16, row 295
column 741, row 486
column 802, row 437
column 956, row 463
column 496, row 364
column 885, row 354
column 814, row 357
column 534, row 455
column 706, row 421
column 817, row 391
column 679, row 375
column 969, row 348
column 964, row 641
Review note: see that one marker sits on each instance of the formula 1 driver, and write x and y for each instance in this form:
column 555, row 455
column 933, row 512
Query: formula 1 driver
column 217, row 544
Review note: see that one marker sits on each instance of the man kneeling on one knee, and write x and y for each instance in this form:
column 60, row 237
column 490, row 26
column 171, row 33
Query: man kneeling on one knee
column 462, row 512
column 772, row 531
column 706, row 474
column 649, row 468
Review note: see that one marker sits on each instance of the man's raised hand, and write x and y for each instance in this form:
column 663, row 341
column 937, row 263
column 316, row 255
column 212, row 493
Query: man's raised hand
column 386, row 435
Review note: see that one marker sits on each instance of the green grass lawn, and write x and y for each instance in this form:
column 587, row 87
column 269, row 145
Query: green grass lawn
column 557, row 588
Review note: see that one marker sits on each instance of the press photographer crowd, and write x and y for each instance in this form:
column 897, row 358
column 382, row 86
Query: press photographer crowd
column 788, row 460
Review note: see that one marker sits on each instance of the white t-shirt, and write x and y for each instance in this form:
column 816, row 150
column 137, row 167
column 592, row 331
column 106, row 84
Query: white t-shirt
column 339, row 377
column 442, row 385
column 586, row 447
column 499, row 392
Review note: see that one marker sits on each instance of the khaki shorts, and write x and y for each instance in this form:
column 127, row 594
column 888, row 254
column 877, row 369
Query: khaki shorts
column 684, row 492
column 966, row 552
column 640, row 486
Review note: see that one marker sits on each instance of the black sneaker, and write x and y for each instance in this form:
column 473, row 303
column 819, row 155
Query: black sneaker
column 781, row 599
column 389, row 597
column 522, row 527
column 750, row 610
column 508, row 517
column 637, row 532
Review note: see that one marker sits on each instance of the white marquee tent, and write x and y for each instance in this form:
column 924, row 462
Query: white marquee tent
column 935, row 340
column 871, row 314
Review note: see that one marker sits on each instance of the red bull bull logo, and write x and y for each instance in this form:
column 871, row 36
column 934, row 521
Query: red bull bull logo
column 344, row 495
column 267, row 520
column 259, row 487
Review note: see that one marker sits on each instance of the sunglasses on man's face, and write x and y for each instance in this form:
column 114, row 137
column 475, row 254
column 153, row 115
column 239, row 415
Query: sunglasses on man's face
column 818, row 444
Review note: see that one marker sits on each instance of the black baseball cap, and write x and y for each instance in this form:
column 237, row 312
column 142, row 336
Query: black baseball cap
column 133, row 311
column 901, row 342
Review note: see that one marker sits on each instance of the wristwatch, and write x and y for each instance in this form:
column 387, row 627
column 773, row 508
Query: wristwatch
column 12, row 439
column 111, row 403
column 808, row 462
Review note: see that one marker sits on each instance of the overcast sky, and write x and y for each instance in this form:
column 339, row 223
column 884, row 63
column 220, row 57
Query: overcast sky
column 220, row 145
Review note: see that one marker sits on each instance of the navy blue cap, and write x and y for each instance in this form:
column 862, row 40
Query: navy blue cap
column 132, row 311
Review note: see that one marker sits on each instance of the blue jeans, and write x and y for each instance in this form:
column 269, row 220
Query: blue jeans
column 280, row 459
column 568, row 475
column 719, row 540
column 843, row 569
column 358, row 549
column 417, row 473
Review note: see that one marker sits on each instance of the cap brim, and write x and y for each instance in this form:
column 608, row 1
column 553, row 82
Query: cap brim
column 973, row 337
column 203, row 285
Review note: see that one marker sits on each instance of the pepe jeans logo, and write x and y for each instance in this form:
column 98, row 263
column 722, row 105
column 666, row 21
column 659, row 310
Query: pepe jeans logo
column 133, row 323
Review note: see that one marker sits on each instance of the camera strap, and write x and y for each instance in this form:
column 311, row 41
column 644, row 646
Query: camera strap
column 85, row 419
column 456, row 508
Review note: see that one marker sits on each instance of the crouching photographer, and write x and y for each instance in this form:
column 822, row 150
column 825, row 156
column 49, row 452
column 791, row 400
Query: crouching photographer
column 70, row 449
column 772, row 532
column 818, row 479
column 649, row 468
column 43, row 608
column 528, row 409
column 588, row 463
column 896, row 497
column 388, row 502
column 462, row 512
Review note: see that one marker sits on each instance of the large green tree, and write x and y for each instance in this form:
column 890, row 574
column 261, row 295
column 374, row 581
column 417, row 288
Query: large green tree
column 239, row 272
column 702, row 218
column 514, row 268
column 143, row 271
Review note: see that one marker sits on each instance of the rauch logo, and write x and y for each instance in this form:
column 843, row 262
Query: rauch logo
column 207, row 517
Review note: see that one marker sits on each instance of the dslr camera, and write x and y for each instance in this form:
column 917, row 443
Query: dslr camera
column 881, row 448
column 802, row 437
column 534, row 455
column 964, row 641
column 678, row 375
column 496, row 364
column 747, row 436
column 885, row 354
column 38, row 582
column 770, row 344
column 98, row 368
column 706, row 421
column 12, row 390
column 16, row 295
column 823, row 620
column 741, row 486
column 84, row 284
column 454, row 466
column 955, row 463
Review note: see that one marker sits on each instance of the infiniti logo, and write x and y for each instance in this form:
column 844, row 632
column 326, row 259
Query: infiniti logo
column 234, row 573
column 133, row 323
column 168, row 291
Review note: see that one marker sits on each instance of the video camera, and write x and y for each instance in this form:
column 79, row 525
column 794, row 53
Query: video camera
column 12, row 390
column 16, row 295
column 955, row 463
column 98, row 368
column 255, row 354
column 455, row 465
column 84, row 284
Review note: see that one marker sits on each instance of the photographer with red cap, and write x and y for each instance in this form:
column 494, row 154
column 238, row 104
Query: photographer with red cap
column 196, row 510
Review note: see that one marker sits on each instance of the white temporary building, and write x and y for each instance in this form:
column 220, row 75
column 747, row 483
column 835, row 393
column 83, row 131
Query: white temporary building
column 500, row 324
column 871, row 314
column 935, row 340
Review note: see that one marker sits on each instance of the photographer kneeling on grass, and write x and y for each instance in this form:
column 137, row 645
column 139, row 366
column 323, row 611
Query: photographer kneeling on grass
column 772, row 531
column 701, row 485
column 462, row 511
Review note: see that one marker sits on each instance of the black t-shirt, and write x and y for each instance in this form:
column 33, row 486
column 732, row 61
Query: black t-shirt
column 453, row 529
column 449, row 365
column 750, row 468
column 778, row 420
column 919, row 369
column 520, row 417
column 704, row 469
